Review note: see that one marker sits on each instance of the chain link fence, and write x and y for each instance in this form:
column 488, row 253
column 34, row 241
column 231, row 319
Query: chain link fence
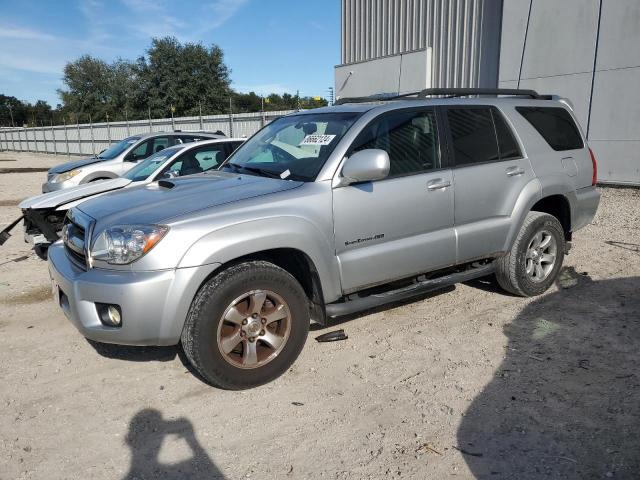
column 92, row 138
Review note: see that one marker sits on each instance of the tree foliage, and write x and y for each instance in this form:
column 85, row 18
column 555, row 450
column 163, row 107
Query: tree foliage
column 24, row 113
column 183, row 79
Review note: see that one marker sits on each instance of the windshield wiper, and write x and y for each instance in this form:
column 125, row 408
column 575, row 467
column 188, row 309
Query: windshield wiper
column 260, row 171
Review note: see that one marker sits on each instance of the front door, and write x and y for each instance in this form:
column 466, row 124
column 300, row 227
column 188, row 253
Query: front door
column 401, row 225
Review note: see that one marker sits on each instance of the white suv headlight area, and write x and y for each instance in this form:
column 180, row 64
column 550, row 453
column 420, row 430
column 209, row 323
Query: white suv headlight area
column 63, row 177
column 123, row 244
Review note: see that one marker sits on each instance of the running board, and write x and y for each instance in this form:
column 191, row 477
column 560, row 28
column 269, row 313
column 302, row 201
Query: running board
column 375, row 300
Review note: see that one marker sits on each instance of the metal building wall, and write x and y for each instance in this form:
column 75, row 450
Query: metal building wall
column 464, row 36
column 587, row 51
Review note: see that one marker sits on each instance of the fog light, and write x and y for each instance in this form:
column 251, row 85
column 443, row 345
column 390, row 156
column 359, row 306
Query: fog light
column 114, row 314
column 110, row 315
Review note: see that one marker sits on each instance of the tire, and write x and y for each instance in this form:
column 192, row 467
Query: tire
column 527, row 270
column 41, row 250
column 220, row 315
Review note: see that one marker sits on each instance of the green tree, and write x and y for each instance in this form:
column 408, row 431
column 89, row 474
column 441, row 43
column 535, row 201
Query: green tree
column 183, row 76
column 88, row 83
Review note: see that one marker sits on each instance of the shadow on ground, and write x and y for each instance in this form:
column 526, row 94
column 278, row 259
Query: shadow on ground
column 149, row 434
column 135, row 354
column 565, row 403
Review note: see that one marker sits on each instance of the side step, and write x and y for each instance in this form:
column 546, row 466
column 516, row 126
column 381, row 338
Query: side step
column 375, row 300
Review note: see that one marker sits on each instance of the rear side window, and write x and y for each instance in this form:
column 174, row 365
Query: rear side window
column 555, row 125
column 507, row 144
column 473, row 136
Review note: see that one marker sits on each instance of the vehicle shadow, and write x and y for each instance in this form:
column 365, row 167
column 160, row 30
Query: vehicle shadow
column 565, row 402
column 135, row 354
column 148, row 431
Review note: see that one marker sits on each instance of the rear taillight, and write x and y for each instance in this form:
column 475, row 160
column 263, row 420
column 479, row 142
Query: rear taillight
column 594, row 179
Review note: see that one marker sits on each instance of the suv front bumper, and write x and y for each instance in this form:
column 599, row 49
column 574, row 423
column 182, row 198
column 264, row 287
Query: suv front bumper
column 153, row 304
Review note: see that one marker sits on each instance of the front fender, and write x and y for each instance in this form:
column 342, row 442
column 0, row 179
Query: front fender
column 254, row 236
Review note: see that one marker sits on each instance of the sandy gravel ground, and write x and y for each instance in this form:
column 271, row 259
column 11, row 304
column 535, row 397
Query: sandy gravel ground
column 468, row 383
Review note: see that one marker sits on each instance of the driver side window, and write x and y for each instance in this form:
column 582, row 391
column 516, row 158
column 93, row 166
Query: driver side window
column 410, row 138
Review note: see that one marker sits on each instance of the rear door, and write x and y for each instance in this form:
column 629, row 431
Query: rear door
column 489, row 172
column 401, row 225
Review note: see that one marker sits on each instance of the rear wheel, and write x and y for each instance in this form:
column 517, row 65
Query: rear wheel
column 246, row 325
column 535, row 258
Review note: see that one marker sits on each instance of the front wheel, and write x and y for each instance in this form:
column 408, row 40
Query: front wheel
column 535, row 258
column 246, row 326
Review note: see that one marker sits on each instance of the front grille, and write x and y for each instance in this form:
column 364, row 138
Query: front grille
column 76, row 235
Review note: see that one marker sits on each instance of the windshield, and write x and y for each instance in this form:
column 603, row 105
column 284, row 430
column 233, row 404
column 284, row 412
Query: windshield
column 293, row 147
column 147, row 167
column 114, row 150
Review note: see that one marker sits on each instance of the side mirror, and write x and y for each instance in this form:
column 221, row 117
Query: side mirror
column 131, row 157
column 365, row 166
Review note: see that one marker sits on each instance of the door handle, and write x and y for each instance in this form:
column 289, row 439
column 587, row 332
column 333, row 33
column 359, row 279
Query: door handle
column 514, row 171
column 438, row 184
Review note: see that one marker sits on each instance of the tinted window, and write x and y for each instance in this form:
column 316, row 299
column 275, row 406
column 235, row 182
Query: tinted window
column 555, row 125
column 211, row 156
column 410, row 139
column 473, row 135
column 507, row 144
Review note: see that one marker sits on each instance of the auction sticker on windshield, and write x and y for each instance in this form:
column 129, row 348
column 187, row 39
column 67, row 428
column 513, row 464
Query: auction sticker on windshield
column 317, row 140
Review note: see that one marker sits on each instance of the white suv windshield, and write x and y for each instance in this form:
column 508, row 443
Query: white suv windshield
column 293, row 147
column 147, row 167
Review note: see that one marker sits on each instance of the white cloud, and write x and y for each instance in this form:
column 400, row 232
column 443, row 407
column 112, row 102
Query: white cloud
column 19, row 33
column 223, row 10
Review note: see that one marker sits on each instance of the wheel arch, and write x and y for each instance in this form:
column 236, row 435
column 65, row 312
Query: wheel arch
column 98, row 176
column 558, row 206
column 299, row 265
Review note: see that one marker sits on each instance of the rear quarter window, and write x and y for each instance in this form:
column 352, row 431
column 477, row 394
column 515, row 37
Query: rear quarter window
column 555, row 125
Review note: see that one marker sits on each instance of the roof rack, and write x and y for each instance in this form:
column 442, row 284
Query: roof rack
column 446, row 92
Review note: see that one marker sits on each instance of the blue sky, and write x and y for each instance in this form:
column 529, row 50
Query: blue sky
column 270, row 45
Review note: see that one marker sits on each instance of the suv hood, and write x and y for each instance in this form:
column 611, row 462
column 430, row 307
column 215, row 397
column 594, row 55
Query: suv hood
column 65, row 167
column 154, row 203
column 60, row 197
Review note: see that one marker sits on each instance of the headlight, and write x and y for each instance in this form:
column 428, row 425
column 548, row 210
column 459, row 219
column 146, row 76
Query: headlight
column 63, row 177
column 122, row 244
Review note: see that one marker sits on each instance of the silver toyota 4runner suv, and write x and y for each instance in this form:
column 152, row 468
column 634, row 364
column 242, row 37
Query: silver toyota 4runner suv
column 327, row 212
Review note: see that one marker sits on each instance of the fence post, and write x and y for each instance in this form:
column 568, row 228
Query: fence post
column 126, row 117
column 231, row 124
column 79, row 141
column 93, row 145
column 55, row 144
column 19, row 141
column 150, row 128
column 66, row 138
column 44, row 138
column 200, row 111
column 108, row 131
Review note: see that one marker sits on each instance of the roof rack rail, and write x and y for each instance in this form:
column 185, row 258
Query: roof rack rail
column 446, row 92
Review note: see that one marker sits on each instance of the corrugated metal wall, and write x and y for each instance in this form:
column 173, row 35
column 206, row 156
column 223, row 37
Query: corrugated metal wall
column 464, row 35
column 89, row 139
